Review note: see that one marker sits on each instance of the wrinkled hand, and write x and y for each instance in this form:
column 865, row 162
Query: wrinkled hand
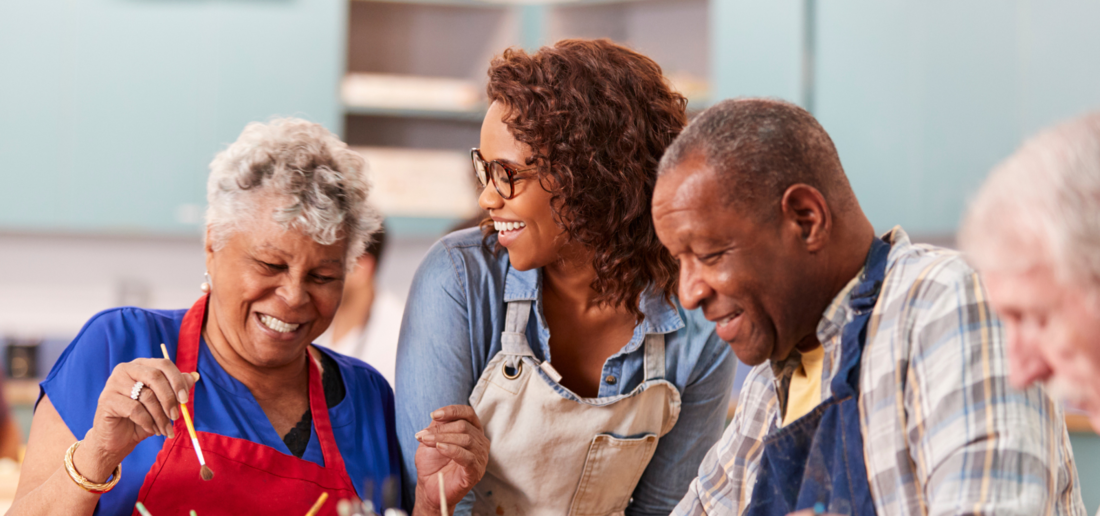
column 121, row 423
column 454, row 444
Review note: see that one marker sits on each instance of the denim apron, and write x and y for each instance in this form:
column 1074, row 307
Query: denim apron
column 818, row 458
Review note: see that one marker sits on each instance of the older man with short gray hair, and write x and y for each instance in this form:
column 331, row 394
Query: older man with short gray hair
column 1033, row 231
column 880, row 384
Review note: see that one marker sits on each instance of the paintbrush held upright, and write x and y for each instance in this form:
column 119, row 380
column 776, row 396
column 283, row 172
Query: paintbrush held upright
column 442, row 495
column 205, row 470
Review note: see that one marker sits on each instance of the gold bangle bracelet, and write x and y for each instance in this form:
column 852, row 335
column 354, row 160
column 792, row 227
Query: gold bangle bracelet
column 83, row 482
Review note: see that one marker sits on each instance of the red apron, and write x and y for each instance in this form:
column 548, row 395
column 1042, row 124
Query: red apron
column 250, row 478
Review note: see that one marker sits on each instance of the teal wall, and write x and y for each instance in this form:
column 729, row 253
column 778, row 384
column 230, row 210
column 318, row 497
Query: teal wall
column 111, row 110
column 756, row 48
column 1086, row 451
column 922, row 98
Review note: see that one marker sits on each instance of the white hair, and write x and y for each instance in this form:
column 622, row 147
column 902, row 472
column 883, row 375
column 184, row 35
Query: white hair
column 1046, row 195
column 321, row 184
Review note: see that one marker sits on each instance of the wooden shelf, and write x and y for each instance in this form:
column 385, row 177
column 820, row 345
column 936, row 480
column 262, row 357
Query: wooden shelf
column 417, row 183
column 473, row 116
column 448, row 3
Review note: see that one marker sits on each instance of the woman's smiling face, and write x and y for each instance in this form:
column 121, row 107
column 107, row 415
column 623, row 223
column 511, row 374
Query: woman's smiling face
column 273, row 291
column 525, row 223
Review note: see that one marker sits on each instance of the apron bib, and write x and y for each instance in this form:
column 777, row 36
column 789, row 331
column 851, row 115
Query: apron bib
column 250, row 478
column 551, row 455
column 818, row 458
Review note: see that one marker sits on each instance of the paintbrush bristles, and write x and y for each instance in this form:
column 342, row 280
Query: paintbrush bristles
column 206, row 472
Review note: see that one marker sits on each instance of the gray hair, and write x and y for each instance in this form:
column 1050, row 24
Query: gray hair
column 324, row 184
column 760, row 147
column 1047, row 194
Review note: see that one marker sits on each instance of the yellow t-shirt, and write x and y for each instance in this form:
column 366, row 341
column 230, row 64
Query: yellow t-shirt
column 805, row 389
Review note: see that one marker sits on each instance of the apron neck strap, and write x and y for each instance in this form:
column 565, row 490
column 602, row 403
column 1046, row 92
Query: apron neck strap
column 318, row 407
column 187, row 349
column 862, row 303
column 865, row 294
column 513, row 341
column 654, row 356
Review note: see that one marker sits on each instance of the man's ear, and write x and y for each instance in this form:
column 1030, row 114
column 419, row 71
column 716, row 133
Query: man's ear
column 804, row 207
column 368, row 263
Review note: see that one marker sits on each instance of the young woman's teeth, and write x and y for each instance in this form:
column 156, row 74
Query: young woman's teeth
column 508, row 226
column 277, row 325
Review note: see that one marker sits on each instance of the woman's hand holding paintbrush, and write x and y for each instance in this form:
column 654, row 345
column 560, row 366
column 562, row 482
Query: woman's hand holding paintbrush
column 453, row 454
column 141, row 399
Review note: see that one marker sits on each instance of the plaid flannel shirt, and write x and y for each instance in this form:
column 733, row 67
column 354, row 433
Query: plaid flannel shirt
column 943, row 431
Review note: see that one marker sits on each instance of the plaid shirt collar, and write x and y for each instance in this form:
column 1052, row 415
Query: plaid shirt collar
column 829, row 328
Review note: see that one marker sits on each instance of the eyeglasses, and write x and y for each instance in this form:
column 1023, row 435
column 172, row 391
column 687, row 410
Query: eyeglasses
column 502, row 176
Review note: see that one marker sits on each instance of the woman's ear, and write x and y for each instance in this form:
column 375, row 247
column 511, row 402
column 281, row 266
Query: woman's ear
column 208, row 246
column 805, row 208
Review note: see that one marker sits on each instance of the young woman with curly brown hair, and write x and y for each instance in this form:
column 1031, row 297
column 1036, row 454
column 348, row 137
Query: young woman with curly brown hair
column 557, row 322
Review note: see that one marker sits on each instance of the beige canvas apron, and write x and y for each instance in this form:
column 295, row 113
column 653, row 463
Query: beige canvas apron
column 551, row 455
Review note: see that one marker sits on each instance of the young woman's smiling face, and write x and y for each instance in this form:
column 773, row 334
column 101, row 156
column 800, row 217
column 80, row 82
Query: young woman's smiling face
column 525, row 223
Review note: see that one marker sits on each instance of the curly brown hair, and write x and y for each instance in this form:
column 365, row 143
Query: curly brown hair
column 598, row 116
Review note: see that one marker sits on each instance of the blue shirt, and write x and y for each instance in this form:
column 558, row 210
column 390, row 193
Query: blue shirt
column 451, row 330
column 363, row 423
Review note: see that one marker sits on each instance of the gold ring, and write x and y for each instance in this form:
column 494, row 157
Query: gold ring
column 519, row 370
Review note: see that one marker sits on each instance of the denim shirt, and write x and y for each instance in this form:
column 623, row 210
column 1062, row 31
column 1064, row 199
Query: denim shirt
column 452, row 329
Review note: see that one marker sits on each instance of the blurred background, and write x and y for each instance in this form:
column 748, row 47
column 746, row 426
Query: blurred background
column 111, row 110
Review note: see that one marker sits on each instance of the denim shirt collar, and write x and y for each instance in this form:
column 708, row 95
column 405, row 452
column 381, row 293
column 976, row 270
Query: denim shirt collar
column 660, row 316
column 522, row 285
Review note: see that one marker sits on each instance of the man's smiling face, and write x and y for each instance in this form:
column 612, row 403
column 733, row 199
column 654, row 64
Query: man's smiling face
column 742, row 269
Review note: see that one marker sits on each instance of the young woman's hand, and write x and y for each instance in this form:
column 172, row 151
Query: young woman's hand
column 454, row 444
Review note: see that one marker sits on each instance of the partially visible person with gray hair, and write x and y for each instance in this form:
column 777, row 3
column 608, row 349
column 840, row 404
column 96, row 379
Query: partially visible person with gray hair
column 1033, row 231
column 278, row 423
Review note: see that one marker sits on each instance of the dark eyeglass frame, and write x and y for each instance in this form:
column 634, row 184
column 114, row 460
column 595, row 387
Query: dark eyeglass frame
column 483, row 170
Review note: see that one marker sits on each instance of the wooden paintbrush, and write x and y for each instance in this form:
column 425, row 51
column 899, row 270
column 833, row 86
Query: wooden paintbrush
column 442, row 496
column 317, row 505
column 205, row 471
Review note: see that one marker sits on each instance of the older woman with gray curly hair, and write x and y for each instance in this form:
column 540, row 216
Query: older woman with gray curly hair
column 278, row 423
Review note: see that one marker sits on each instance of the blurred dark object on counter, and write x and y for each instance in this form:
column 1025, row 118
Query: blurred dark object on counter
column 21, row 358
